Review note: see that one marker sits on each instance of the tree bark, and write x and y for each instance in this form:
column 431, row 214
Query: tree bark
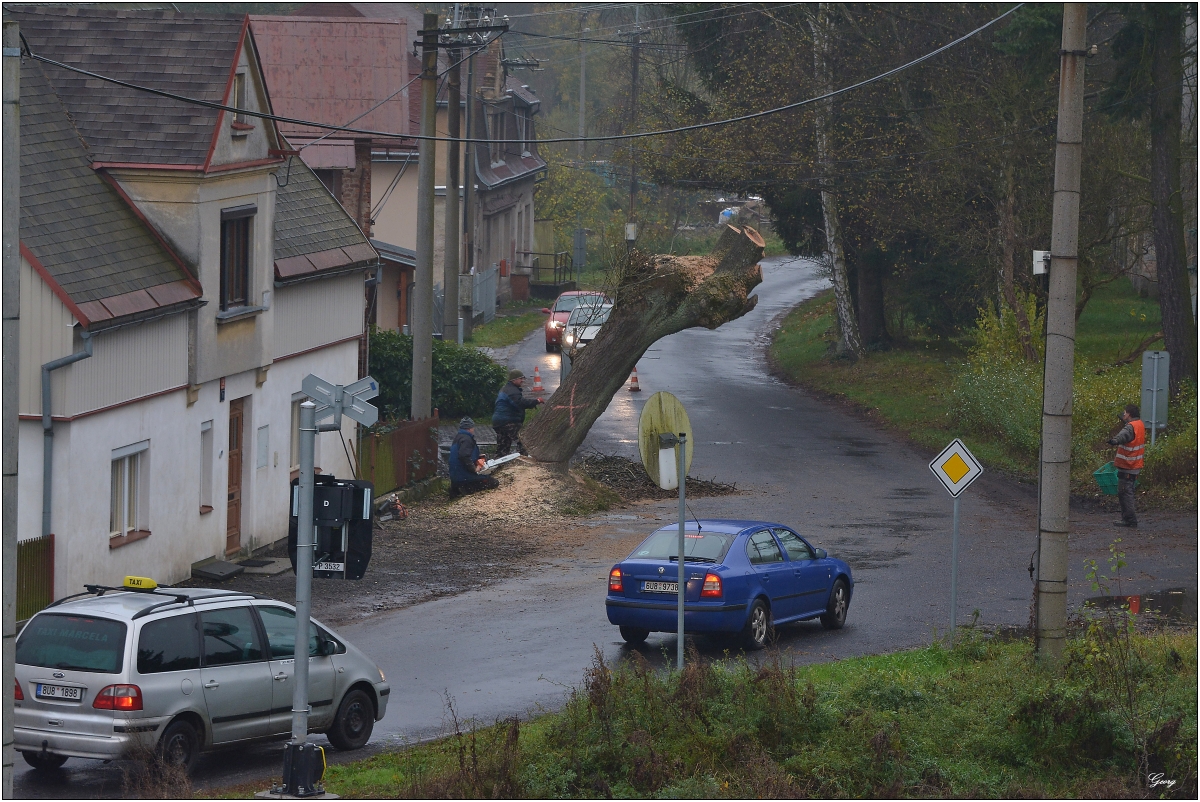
column 655, row 296
column 1174, row 290
column 1008, row 248
column 850, row 339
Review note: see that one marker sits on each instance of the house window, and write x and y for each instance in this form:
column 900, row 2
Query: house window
column 128, row 496
column 332, row 179
column 241, row 122
column 294, row 451
column 263, row 454
column 236, row 229
column 206, row 466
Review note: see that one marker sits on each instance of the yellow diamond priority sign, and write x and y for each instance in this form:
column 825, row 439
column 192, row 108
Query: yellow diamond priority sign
column 956, row 467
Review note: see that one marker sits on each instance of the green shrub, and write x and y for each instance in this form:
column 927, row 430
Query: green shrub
column 465, row 382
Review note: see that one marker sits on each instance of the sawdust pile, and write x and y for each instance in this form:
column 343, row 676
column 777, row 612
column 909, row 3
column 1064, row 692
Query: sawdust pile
column 528, row 490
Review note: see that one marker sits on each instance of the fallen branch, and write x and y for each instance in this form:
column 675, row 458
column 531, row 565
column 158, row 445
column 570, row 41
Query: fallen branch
column 1137, row 349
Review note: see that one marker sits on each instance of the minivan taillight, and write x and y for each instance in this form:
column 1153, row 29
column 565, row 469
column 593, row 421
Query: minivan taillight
column 712, row 587
column 614, row 581
column 17, row 695
column 119, row 697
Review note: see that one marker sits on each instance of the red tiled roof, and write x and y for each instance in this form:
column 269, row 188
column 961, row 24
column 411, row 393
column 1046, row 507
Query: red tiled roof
column 331, row 69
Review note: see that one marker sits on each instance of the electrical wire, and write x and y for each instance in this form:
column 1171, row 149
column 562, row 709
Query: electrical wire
column 610, row 138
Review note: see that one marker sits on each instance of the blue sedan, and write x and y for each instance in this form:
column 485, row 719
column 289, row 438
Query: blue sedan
column 743, row 577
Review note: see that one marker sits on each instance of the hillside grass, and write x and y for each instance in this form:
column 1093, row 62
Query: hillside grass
column 984, row 719
column 926, row 387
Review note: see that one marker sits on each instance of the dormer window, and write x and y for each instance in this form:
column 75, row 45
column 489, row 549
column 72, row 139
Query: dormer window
column 241, row 122
column 237, row 227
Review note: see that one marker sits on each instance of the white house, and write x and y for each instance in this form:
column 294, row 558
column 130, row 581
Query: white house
column 195, row 270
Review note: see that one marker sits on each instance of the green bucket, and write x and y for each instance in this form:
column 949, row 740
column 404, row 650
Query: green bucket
column 1106, row 478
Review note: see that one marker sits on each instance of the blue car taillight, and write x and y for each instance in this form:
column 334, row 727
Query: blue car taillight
column 712, row 587
column 614, row 581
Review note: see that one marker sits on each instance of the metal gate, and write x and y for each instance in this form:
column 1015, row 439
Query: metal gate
column 483, row 293
column 35, row 575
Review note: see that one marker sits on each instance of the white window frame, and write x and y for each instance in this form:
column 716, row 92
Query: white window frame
column 129, row 491
column 206, row 466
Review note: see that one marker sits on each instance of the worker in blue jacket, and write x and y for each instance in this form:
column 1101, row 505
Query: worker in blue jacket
column 465, row 463
column 509, row 415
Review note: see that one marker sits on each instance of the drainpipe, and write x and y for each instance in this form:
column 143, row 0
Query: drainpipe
column 48, row 425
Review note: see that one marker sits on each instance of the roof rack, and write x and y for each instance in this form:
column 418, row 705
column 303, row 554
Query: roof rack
column 174, row 598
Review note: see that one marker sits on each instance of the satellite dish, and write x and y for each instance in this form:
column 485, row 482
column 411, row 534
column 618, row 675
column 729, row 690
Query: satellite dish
column 662, row 414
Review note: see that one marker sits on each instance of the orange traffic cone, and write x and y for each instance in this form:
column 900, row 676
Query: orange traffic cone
column 633, row 382
column 537, row 382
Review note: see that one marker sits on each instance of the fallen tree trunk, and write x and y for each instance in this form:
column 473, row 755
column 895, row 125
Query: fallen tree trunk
column 655, row 296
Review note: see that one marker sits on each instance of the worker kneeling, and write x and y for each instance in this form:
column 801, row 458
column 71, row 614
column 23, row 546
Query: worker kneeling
column 465, row 463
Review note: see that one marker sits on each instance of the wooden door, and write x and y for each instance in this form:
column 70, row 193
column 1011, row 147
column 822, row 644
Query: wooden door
column 233, row 525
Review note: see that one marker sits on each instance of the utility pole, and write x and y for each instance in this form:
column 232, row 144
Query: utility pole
column 582, row 91
column 633, row 91
column 1053, row 516
column 422, row 323
column 11, row 283
column 450, row 311
column 469, row 178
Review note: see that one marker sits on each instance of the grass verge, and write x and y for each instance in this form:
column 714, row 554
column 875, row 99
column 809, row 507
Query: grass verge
column 507, row 329
column 924, row 387
column 984, row 719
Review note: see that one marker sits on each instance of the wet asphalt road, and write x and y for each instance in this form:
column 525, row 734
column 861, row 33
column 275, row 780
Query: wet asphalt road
column 519, row 646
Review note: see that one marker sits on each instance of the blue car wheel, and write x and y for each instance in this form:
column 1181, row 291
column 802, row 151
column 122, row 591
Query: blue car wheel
column 839, row 605
column 634, row 636
column 758, row 626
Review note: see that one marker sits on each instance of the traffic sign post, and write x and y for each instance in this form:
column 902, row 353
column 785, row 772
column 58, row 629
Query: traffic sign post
column 956, row 468
column 1156, row 368
column 332, row 400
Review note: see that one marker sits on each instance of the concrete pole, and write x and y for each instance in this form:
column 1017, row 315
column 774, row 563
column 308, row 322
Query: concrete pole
column 422, row 322
column 305, row 542
column 1053, row 522
column 468, row 260
column 11, row 283
column 450, row 310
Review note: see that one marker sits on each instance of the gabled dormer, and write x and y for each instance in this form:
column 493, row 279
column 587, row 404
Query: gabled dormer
column 242, row 140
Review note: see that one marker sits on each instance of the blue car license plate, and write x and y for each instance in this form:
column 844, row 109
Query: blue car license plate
column 660, row 587
column 57, row 692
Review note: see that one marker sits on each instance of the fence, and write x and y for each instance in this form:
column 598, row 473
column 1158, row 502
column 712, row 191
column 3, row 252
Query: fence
column 550, row 268
column 407, row 453
column 483, row 293
column 35, row 575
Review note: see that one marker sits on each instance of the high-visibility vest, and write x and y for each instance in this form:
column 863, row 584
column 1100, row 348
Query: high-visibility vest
column 1129, row 455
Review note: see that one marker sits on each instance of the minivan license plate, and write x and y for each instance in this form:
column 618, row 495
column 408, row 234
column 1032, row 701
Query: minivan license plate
column 57, row 692
column 660, row 587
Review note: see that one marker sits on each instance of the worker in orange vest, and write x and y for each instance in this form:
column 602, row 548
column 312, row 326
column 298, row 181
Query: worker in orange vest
column 1131, row 447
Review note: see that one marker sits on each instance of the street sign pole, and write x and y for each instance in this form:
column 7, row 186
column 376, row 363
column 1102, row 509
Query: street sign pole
column 954, row 573
column 335, row 400
column 681, row 472
column 305, row 542
column 956, row 468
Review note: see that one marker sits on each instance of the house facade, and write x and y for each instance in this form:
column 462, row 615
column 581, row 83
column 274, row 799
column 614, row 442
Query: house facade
column 190, row 274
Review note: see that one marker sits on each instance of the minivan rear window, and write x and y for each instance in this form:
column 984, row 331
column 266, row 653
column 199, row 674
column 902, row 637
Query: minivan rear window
column 73, row 643
column 697, row 546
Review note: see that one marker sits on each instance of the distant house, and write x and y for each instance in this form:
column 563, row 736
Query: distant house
column 335, row 88
column 197, row 273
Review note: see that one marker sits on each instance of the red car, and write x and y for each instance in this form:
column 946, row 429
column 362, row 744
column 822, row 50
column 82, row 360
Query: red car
column 562, row 310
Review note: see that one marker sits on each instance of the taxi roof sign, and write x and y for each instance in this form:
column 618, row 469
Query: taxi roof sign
column 956, row 467
column 139, row 583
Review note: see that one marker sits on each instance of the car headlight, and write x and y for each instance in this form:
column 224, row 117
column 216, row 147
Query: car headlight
column 557, row 324
column 568, row 338
column 382, row 678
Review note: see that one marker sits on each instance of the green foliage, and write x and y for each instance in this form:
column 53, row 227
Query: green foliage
column 997, row 335
column 465, row 382
column 507, row 330
column 984, row 719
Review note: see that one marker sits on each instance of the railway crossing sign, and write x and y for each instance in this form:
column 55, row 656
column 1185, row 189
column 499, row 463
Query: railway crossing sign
column 956, row 467
column 336, row 400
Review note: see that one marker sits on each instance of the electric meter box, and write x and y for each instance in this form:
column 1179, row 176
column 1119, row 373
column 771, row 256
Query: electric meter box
column 342, row 517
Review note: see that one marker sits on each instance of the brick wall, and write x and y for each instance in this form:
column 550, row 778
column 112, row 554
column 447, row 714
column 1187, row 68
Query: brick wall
column 356, row 186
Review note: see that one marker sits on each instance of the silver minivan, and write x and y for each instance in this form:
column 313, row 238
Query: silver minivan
column 181, row 671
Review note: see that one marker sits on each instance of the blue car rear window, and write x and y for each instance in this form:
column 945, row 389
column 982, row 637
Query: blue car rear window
column 701, row 546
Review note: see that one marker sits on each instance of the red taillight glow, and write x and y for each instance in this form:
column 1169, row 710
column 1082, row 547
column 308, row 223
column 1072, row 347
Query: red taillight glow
column 17, row 695
column 712, row 587
column 119, row 697
column 614, row 581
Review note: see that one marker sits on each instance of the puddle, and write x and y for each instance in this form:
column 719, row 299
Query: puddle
column 1178, row 604
column 908, row 492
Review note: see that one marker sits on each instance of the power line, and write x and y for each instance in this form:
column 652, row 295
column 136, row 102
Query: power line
column 610, row 138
